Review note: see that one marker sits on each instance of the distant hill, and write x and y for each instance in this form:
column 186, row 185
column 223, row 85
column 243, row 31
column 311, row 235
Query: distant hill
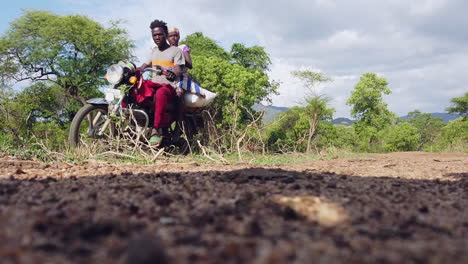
column 343, row 121
column 272, row 111
column 445, row 116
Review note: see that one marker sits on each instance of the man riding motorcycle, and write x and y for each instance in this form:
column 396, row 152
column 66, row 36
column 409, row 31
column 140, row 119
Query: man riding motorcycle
column 170, row 59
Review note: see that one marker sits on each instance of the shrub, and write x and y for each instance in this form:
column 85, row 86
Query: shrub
column 402, row 137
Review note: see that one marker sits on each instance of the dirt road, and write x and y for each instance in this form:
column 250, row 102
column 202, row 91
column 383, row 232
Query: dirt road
column 392, row 208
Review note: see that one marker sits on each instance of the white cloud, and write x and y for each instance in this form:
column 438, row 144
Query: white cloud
column 419, row 7
column 292, row 91
column 346, row 39
column 430, row 87
column 325, row 3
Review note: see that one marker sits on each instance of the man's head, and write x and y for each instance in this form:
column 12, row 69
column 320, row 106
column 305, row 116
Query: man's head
column 174, row 36
column 159, row 32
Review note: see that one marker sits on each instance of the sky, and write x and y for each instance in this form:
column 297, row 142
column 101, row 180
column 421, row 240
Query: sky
column 419, row 46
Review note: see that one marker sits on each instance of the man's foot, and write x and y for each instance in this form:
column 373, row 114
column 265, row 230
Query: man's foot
column 155, row 141
column 156, row 137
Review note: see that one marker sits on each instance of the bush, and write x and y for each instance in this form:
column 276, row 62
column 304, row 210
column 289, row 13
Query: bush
column 342, row 137
column 51, row 135
column 6, row 142
column 287, row 132
column 402, row 137
column 455, row 136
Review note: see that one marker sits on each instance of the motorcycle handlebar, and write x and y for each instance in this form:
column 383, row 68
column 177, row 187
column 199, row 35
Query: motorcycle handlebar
column 169, row 74
column 157, row 71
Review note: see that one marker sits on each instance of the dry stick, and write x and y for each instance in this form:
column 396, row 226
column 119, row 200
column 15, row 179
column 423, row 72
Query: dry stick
column 117, row 141
column 257, row 128
column 49, row 152
column 157, row 154
column 236, row 116
column 300, row 140
column 220, row 157
column 136, row 142
column 116, row 154
column 204, row 152
column 212, row 131
column 263, row 143
column 138, row 145
column 138, row 133
column 185, row 137
column 245, row 133
column 91, row 149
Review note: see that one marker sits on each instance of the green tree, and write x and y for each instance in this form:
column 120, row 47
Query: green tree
column 72, row 51
column 317, row 110
column 20, row 112
column 402, row 137
column 460, row 105
column 235, row 86
column 369, row 108
column 311, row 79
column 216, row 70
column 316, row 106
column 288, row 131
column 455, row 135
column 339, row 136
column 254, row 57
column 239, row 83
column 429, row 128
column 201, row 45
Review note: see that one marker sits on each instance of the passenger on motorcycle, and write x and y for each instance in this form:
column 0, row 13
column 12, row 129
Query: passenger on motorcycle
column 166, row 57
column 173, row 38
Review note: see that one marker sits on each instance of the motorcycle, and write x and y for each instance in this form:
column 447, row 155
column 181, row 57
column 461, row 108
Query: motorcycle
column 119, row 114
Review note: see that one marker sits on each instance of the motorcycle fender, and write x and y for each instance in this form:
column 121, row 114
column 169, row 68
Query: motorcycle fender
column 98, row 101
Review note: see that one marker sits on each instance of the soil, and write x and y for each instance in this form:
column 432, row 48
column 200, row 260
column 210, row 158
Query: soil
column 386, row 208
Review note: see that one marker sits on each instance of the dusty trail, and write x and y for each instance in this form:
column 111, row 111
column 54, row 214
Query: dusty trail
column 392, row 208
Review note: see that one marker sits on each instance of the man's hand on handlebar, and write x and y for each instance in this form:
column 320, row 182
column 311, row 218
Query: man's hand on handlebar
column 170, row 76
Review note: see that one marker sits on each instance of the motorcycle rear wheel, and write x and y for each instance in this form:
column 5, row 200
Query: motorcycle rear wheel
column 185, row 141
column 86, row 124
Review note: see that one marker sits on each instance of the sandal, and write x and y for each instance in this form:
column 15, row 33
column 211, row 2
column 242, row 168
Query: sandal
column 155, row 140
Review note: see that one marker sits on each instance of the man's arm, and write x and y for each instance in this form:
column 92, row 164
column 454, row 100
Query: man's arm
column 188, row 60
column 187, row 57
column 172, row 75
column 179, row 62
column 177, row 70
column 144, row 66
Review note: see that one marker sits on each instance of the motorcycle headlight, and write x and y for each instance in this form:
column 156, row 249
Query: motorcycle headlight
column 114, row 74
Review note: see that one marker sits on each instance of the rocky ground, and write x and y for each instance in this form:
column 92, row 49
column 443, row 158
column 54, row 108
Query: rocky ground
column 387, row 208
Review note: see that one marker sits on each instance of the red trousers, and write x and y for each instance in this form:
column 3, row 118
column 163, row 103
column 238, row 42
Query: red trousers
column 157, row 95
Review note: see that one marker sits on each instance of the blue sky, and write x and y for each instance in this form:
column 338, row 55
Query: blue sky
column 419, row 46
column 13, row 10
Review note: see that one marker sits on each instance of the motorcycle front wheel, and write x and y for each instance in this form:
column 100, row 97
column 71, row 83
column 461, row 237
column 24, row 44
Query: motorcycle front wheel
column 186, row 140
column 86, row 124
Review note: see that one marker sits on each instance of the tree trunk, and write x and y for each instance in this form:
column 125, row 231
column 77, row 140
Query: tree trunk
column 312, row 127
column 72, row 91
